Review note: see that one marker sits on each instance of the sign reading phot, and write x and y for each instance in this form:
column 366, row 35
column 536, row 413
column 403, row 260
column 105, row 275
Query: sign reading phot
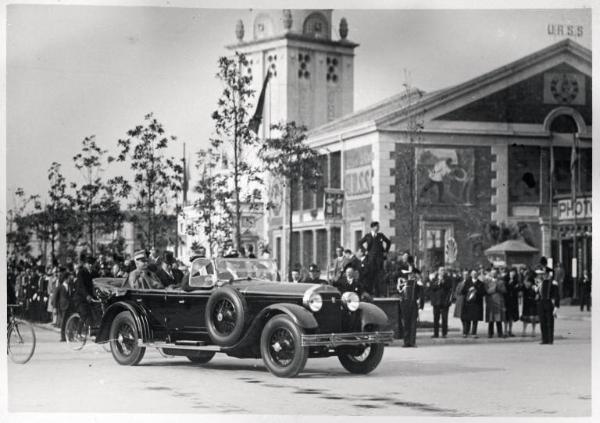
column 564, row 88
column 582, row 209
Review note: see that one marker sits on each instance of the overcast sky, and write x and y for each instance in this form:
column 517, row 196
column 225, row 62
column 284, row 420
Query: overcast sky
column 74, row 71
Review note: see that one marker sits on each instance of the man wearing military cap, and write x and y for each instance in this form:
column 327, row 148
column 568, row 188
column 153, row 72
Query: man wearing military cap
column 314, row 275
column 410, row 288
column 142, row 277
column 547, row 301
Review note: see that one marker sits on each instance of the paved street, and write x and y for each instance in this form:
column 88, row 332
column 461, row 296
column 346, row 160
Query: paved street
column 452, row 377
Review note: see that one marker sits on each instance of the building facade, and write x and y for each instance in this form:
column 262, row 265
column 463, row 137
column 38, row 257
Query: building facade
column 450, row 173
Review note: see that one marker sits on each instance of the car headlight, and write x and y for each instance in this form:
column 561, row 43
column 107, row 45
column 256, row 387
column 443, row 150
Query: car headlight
column 351, row 300
column 313, row 301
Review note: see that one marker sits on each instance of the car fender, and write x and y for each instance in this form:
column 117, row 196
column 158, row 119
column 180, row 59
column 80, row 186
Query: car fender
column 139, row 317
column 299, row 315
column 370, row 314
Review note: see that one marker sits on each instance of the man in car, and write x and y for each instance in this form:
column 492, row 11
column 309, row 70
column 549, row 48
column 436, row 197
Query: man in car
column 295, row 274
column 349, row 282
column 168, row 274
column 142, row 277
column 314, row 275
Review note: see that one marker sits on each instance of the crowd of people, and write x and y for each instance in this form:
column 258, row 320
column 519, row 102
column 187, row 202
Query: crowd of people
column 498, row 295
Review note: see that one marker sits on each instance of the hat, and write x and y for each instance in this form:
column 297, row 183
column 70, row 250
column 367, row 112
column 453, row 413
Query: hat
column 90, row 259
column 140, row 255
column 314, row 268
column 540, row 269
column 168, row 257
column 374, row 223
column 296, row 267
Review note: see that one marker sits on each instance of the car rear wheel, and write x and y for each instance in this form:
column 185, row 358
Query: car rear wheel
column 201, row 357
column 281, row 347
column 225, row 316
column 361, row 360
column 124, row 340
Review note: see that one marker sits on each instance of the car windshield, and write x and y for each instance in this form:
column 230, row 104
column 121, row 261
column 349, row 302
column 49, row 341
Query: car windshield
column 246, row 268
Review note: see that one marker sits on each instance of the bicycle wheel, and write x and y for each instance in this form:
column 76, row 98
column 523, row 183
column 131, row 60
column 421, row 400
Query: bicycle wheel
column 21, row 342
column 76, row 332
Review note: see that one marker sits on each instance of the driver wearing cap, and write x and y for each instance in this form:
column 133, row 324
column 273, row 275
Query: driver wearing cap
column 314, row 275
column 142, row 277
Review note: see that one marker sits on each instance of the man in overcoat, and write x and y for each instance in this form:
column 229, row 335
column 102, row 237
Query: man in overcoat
column 84, row 288
column 441, row 293
column 377, row 246
column 410, row 289
column 548, row 302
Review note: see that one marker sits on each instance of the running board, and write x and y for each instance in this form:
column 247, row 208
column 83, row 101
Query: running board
column 179, row 346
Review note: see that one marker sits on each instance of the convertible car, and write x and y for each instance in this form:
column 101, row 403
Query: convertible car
column 238, row 307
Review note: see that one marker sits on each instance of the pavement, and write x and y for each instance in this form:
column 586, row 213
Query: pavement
column 514, row 377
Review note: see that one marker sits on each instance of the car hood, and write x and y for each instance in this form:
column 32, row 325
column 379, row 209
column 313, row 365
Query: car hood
column 282, row 288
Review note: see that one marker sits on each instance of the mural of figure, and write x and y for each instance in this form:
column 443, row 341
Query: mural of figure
column 440, row 170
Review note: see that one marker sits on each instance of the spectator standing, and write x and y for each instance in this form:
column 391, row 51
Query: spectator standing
column 529, row 312
column 472, row 310
column 495, row 312
column 559, row 273
column 441, row 294
column 410, row 289
column 511, row 299
column 585, row 291
column 548, row 303
column 459, row 299
column 62, row 300
column 377, row 246
column 338, row 264
column 84, row 288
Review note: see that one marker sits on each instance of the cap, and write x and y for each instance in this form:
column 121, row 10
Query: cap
column 140, row 255
column 168, row 257
column 314, row 268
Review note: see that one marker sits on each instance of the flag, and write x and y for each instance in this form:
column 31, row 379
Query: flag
column 573, row 166
column 186, row 177
column 551, row 170
column 257, row 118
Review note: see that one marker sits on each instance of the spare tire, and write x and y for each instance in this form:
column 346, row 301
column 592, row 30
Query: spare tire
column 225, row 316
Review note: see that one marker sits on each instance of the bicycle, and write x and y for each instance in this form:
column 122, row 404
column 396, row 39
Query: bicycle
column 21, row 338
column 77, row 332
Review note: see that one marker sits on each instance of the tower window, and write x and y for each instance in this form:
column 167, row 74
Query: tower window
column 332, row 63
column 303, row 59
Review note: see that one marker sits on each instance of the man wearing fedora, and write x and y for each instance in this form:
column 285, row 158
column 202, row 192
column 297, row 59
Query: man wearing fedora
column 84, row 287
column 377, row 246
column 142, row 277
column 547, row 301
column 410, row 288
column 168, row 274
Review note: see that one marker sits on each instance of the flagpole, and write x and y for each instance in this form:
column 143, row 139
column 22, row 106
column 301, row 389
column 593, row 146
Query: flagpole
column 552, row 194
column 574, row 271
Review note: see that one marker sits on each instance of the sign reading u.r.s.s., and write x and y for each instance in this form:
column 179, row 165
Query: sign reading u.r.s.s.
column 565, row 30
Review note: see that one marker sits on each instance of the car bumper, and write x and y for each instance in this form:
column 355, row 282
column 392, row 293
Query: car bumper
column 333, row 340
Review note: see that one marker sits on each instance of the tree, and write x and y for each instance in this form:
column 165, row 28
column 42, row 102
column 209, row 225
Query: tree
column 96, row 202
column 289, row 158
column 157, row 178
column 18, row 225
column 231, row 127
column 214, row 214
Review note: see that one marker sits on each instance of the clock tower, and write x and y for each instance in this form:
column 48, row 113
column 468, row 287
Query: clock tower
column 312, row 71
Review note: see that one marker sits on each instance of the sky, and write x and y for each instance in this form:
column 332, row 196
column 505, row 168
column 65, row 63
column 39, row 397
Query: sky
column 75, row 71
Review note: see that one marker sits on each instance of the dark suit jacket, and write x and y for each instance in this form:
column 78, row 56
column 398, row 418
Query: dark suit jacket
column 167, row 279
column 441, row 292
column 343, row 285
column 548, row 294
column 375, row 246
column 84, row 285
column 62, row 298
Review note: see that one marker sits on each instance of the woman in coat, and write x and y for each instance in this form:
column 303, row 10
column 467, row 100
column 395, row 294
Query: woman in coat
column 473, row 292
column 511, row 299
column 495, row 311
column 530, row 312
column 459, row 299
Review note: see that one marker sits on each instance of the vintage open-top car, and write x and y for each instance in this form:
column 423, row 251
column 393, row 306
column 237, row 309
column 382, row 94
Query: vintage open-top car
column 238, row 307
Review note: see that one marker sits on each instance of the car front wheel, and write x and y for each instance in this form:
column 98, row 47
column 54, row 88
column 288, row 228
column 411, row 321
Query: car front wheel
column 361, row 360
column 124, row 340
column 281, row 347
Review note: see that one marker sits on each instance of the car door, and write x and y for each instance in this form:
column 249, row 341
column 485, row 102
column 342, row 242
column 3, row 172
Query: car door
column 185, row 309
